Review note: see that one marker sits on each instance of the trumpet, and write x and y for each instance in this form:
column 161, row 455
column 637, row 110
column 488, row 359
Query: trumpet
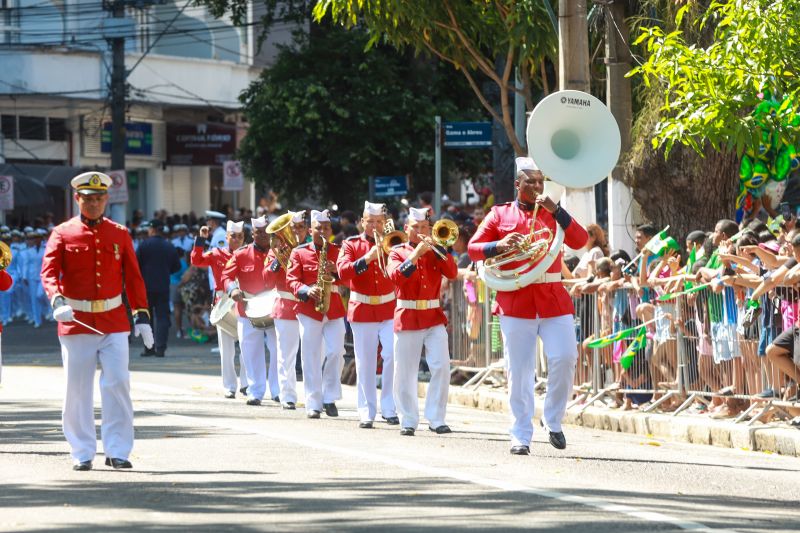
column 282, row 238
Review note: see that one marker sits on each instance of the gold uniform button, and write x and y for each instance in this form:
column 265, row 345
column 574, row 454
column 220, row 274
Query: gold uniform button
column 99, row 272
column 97, row 241
column 98, row 285
column 98, row 262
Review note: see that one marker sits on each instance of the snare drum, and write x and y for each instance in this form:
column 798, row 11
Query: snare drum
column 223, row 315
column 258, row 309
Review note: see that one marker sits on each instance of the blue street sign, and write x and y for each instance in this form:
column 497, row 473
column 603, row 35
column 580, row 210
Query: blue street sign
column 467, row 134
column 389, row 186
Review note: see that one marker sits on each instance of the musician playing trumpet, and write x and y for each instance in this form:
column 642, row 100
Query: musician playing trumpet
column 243, row 277
column 216, row 258
column 541, row 309
column 320, row 312
column 370, row 313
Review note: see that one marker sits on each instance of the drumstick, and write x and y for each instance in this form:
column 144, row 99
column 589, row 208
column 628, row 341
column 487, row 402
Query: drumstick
column 87, row 326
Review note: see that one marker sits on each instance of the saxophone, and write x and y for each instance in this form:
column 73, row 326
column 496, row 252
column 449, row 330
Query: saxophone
column 324, row 280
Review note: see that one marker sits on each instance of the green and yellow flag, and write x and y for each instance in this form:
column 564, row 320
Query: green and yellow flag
column 602, row 342
column 638, row 344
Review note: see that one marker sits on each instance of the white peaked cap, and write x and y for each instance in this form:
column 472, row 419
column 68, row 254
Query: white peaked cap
column 373, row 209
column 418, row 213
column 215, row 214
column 298, row 216
column 259, row 222
column 320, row 216
column 525, row 163
column 235, row 227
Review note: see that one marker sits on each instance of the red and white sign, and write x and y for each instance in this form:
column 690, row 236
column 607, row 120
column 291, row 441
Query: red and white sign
column 6, row 193
column 232, row 177
column 118, row 192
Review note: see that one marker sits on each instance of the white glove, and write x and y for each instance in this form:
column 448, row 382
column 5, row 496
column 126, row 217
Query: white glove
column 64, row 313
column 146, row 332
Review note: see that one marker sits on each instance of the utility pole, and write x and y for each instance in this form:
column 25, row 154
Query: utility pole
column 618, row 99
column 573, row 73
column 116, row 36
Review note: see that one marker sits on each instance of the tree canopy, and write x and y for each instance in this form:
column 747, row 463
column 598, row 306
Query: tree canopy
column 327, row 115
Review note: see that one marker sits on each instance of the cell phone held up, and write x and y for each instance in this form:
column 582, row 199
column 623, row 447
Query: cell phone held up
column 785, row 210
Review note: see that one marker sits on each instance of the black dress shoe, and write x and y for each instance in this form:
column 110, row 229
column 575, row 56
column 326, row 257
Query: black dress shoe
column 520, row 450
column 147, row 353
column 365, row 425
column 407, row 432
column 243, row 390
column 288, row 406
column 118, row 463
column 392, row 420
column 276, row 399
column 253, row 401
column 441, row 430
column 558, row 440
column 230, row 394
column 330, row 409
column 313, row 414
column 83, row 466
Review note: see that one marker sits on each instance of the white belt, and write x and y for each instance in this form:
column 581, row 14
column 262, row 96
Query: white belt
column 287, row 296
column 418, row 304
column 548, row 277
column 372, row 299
column 95, row 306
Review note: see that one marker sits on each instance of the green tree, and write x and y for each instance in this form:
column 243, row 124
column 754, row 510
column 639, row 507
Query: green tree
column 327, row 115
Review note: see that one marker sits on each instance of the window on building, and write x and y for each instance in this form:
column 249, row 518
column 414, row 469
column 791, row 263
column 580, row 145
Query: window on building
column 58, row 129
column 33, row 128
column 9, row 126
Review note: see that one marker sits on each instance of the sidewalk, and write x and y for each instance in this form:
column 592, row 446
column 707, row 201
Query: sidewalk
column 689, row 428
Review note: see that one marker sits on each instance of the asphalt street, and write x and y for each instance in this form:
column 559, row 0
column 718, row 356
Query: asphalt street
column 204, row 463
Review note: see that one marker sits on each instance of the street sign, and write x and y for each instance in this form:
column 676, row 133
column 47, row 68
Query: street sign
column 118, row 192
column 6, row 193
column 138, row 138
column 384, row 186
column 467, row 134
column 232, row 177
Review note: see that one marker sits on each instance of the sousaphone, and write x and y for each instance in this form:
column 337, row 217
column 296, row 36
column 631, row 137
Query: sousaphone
column 574, row 140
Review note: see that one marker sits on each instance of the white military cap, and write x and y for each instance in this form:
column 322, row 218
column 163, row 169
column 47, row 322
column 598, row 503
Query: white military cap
column 320, row 216
column 42, row 232
column 91, row 183
column 525, row 163
column 298, row 216
column 418, row 214
column 215, row 214
column 259, row 222
column 235, row 227
column 373, row 209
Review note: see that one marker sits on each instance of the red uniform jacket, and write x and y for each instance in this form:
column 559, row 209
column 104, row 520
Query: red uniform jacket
column 5, row 283
column 538, row 300
column 215, row 259
column 302, row 276
column 275, row 277
column 245, row 267
column 422, row 281
column 91, row 263
column 365, row 279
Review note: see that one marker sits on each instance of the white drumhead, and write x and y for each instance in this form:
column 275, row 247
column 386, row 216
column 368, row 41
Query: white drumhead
column 261, row 304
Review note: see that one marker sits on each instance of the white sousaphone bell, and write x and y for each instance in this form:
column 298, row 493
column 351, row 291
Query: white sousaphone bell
column 574, row 140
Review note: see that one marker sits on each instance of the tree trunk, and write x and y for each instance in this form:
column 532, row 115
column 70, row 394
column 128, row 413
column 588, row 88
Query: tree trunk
column 686, row 191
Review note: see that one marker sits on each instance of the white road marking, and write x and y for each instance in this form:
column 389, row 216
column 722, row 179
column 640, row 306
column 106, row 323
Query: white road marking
column 447, row 473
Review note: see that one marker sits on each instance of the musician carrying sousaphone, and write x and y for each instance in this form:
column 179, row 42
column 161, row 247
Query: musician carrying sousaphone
column 215, row 258
column 541, row 308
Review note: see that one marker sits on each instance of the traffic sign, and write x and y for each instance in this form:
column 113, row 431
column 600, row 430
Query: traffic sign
column 467, row 134
column 384, row 186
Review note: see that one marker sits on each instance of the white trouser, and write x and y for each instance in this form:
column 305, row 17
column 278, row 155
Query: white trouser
column 322, row 384
column 271, row 342
column 288, row 334
column 365, row 344
column 227, row 354
column 252, row 344
column 80, row 354
column 561, row 350
column 407, row 352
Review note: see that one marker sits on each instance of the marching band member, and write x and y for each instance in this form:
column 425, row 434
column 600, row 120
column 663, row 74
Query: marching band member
column 216, row 227
column 215, row 259
column 370, row 313
column 419, row 321
column 541, row 309
column 322, row 387
column 243, row 277
column 87, row 261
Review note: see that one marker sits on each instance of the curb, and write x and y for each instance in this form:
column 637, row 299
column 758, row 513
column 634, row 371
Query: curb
column 682, row 428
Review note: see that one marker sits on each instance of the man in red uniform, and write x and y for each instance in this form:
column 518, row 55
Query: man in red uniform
column 541, row 309
column 243, row 277
column 287, row 329
column 215, row 259
column 417, row 269
column 370, row 314
column 322, row 388
column 87, row 262
column 6, row 282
